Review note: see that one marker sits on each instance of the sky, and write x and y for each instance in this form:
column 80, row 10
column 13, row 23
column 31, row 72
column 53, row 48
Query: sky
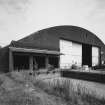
column 19, row 18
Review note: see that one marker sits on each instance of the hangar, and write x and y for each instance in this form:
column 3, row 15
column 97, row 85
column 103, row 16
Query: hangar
column 60, row 46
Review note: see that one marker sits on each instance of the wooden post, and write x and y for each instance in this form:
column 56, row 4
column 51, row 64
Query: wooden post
column 46, row 61
column 31, row 62
column 11, row 63
column 58, row 61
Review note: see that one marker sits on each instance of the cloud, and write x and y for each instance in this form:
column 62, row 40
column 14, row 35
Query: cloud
column 97, row 12
column 19, row 18
column 14, row 6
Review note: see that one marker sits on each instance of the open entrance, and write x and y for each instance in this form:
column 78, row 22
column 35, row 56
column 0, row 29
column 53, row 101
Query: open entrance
column 54, row 61
column 25, row 61
column 87, row 55
column 39, row 61
column 21, row 62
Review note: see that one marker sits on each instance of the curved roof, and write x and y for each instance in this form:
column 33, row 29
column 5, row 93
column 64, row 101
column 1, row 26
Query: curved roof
column 75, row 33
column 48, row 38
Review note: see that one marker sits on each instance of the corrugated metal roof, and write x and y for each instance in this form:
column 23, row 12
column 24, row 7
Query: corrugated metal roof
column 45, row 51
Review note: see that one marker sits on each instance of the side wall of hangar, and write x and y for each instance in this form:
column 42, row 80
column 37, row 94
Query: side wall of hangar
column 59, row 46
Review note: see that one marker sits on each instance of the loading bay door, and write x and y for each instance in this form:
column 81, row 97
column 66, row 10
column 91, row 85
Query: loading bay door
column 72, row 53
column 79, row 54
column 95, row 56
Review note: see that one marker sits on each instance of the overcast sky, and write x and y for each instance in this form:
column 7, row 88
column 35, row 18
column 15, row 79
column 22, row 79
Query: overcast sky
column 19, row 18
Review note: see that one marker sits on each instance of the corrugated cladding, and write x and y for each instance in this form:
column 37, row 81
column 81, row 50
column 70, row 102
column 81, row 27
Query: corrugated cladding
column 49, row 38
column 40, row 40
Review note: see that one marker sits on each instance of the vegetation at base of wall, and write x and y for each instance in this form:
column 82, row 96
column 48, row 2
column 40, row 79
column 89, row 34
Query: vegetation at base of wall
column 13, row 88
column 65, row 89
column 73, row 95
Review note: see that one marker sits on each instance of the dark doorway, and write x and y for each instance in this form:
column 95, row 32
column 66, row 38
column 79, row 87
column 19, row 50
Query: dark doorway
column 87, row 55
column 40, row 61
column 21, row 62
column 54, row 61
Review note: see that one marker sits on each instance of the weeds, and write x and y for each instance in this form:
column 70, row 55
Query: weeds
column 19, row 98
column 63, row 88
column 76, row 95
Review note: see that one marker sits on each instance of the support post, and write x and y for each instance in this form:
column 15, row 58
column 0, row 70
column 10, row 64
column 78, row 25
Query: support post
column 58, row 65
column 47, row 61
column 31, row 62
column 58, row 61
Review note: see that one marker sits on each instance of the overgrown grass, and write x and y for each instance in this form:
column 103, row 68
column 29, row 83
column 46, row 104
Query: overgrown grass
column 73, row 95
column 63, row 88
column 16, row 97
column 16, row 88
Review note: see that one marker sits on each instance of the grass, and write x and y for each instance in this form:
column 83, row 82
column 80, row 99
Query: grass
column 16, row 97
column 21, row 88
column 63, row 88
column 12, row 90
column 72, row 95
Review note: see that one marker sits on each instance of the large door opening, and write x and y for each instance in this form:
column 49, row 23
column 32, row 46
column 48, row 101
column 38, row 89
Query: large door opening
column 87, row 55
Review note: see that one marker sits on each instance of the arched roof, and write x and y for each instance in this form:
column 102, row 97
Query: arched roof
column 75, row 33
column 48, row 38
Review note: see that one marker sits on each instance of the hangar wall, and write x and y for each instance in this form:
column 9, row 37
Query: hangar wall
column 48, row 39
